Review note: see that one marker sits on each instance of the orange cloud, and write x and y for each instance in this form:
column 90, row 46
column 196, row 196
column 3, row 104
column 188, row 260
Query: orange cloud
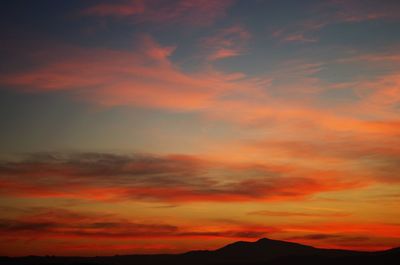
column 47, row 224
column 368, row 229
column 299, row 214
column 105, row 177
column 61, row 223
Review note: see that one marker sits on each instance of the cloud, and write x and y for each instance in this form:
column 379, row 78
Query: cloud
column 286, row 100
column 339, row 235
column 101, row 229
column 185, row 12
column 299, row 214
column 332, row 12
column 340, row 241
column 61, row 223
column 388, row 57
column 315, row 237
column 169, row 179
column 290, row 35
column 144, row 77
column 369, row 158
column 77, row 230
column 361, row 228
column 357, row 10
column 381, row 93
column 377, row 94
column 228, row 42
column 127, row 8
column 301, row 32
column 298, row 38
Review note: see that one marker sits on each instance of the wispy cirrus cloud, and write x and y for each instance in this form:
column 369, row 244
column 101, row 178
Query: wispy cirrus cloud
column 332, row 12
column 227, row 42
column 192, row 12
column 357, row 10
column 295, row 35
column 144, row 77
column 299, row 214
column 366, row 228
column 118, row 9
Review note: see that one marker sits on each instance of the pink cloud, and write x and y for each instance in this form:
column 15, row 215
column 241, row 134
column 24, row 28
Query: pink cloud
column 298, row 38
column 144, row 77
column 358, row 10
column 282, row 101
column 335, row 12
column 129, row 8
column 228, row 42
column 192, row 12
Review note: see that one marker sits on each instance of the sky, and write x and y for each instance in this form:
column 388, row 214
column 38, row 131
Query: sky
column 162, row 126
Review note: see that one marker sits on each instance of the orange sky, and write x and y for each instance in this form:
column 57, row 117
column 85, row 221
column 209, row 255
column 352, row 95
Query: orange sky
column 165, row 126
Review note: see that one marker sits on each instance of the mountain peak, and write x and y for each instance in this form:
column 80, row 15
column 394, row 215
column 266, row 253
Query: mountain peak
column 263, row 239
column 267, row 240
column 262, row 249
column 273, row 242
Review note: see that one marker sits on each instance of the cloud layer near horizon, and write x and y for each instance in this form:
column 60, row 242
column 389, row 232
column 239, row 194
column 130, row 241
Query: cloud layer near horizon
column 174, row 178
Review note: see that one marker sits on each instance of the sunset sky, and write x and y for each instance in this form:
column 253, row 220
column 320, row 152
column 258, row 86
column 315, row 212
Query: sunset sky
column 162, row 126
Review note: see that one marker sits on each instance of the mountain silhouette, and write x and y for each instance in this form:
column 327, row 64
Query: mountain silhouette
column 264, row 251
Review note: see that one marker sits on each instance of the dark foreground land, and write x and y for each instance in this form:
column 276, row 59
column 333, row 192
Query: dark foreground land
column 264, row 251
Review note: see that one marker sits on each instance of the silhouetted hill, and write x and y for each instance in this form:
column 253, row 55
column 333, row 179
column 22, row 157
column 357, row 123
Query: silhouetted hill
column 263, row 248
column 264, row 251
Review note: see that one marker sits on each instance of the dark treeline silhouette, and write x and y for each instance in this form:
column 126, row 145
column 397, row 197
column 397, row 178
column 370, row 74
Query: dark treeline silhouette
column 264, row 251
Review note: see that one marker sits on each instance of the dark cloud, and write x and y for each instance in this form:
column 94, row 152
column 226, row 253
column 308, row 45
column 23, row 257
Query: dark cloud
column 316, row 237
column 334, row 238
column 228, row 233
column 18, row 226
column 173, row 178
column 64, row 223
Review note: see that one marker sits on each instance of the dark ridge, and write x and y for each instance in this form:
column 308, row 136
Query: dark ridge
column 262, row 252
